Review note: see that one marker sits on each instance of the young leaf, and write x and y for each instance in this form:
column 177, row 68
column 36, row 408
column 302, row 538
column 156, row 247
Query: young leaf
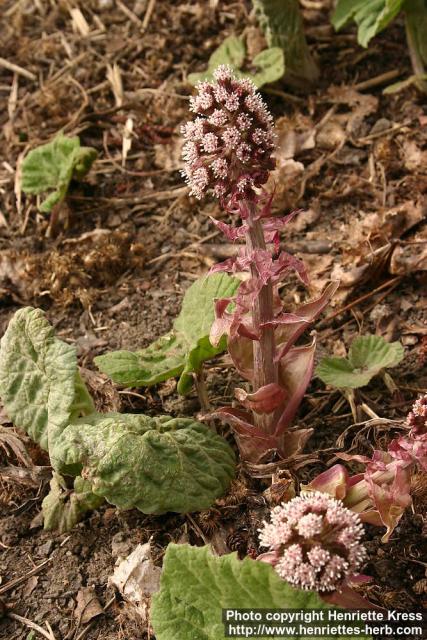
column 195, row 586
column 371, row 16
column 63, row 508
column 270, row 65
column 195, row 320
column 39, row 383
column 232, row 52
column 52, row 166
column 155, row 464
column 182, row 351
column 367, row 356
column 163, row 359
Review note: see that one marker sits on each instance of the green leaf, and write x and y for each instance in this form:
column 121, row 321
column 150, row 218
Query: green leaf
column 39, row 382
column 52, row 166
column 182, row 351
column 371, row 16
column 271, row 65
column 283, row 27
column 163, row 359
column 195, row 320
column 368, row 355
column 195, row 586
column 63, row 508
column 374, row 353
column 155, row 464
column 232, row 51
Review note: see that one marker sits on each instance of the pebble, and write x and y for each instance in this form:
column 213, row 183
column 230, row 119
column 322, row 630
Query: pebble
column 46, row 548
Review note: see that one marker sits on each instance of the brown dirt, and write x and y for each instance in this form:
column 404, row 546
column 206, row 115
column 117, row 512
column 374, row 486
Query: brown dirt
column 130, row 241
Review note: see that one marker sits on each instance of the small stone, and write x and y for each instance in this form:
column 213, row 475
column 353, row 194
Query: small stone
column 408, row 341
column 46, row 548
column 381, row 125
column 120, row 547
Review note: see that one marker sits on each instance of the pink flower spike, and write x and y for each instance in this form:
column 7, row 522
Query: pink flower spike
column 305, row 545
column 235, row 134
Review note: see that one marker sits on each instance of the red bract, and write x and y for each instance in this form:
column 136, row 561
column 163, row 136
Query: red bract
column 229, row 152
column 383, row 491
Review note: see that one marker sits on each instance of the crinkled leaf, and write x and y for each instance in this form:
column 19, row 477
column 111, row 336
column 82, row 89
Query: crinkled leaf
column 39, row 382
column 181, row 352
column 155, row 464
column 163, row 359
column 63, row 508
column 51, row 167
column 195, row 586
column 371, row 16
column 368, row 355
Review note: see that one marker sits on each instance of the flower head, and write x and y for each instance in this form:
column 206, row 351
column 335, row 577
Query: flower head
column 315, row 541
column 417, row 417
column 231, row 140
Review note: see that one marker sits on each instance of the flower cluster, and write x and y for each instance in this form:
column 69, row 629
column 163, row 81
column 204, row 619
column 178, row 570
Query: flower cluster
column 417, row 417
column 382, row 493
column 228, row 146
column 314, row 542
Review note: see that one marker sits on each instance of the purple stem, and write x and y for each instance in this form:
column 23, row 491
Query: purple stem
column 265, row 369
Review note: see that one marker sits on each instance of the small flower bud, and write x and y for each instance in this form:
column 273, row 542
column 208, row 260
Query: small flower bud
column 315, row 541
column 229, row 145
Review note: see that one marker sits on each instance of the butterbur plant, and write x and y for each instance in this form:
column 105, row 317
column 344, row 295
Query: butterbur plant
column 229, row 152
column 382, row 492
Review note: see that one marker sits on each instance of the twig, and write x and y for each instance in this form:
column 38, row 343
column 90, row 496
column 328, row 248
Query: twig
column 384, row 132
column 197, row 529
column 369, row 412
column 29, row 623
column 16, row 581
column 200, row 383
column 155, row 195
column 283, row 94
column 148, row 14
column 17, row 69
column 354, row 303
column 372, row 422
column 377, row 80
column 130, row 14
